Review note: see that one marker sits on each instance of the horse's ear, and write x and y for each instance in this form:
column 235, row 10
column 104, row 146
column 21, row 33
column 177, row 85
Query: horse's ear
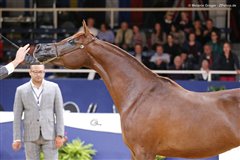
column 85, row 28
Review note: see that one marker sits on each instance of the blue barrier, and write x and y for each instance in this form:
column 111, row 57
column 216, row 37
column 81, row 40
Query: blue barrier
column 84, row 92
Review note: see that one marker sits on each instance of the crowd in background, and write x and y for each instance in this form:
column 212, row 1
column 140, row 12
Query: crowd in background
column 180, row 45
column 173, row 44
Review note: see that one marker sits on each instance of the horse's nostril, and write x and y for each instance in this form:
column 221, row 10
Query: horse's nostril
column 38, row 46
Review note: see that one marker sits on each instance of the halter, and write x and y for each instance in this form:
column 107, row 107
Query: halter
column 72, row 44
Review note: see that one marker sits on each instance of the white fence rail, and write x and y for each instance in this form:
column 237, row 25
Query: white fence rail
column 91, row 73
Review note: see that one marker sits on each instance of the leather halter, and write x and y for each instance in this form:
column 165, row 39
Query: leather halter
column 75, row 45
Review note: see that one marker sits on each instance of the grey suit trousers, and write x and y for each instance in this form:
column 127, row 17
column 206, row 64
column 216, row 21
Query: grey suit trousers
column 32, row 149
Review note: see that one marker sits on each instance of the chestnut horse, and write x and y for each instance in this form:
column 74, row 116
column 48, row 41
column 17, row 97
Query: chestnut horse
column 158, row 117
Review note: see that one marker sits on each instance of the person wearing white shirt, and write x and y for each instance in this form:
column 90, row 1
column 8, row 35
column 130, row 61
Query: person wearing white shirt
column 90, row 24
column 9, row 68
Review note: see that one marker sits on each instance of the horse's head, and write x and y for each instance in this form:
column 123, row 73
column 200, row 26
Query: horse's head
column 70, row 52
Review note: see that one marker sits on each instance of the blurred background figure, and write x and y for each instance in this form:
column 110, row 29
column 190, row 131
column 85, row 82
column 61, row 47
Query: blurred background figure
column 159, row 60
column 205, row 68
column 90, row 24
column 158, row 35
column 140, row 55
column 208, row 29
column 124, row 36
column 215, row 44
column 178, row 35
column 106, row 34
column 139, row 37
column 177, row 65
column 228, row 61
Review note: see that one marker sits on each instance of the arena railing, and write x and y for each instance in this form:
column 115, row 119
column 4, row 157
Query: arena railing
column 55, row 11
column 91, row 73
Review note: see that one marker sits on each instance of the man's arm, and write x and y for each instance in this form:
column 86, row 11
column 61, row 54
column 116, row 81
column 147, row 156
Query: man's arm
column 58, row 107
column 59, row 112
column 9, row 68
column 17, row 111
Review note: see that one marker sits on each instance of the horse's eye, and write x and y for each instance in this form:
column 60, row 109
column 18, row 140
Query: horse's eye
column 72, row 42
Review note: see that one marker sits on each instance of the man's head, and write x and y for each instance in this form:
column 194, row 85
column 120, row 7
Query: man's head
column 37, row 73
column 207, row 49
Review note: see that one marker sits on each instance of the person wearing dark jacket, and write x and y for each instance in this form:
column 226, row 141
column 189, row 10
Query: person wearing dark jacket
column 9, row 68
column 228, row 61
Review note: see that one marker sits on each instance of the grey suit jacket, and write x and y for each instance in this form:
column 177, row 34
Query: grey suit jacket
column 3, row 72
column 47, row 118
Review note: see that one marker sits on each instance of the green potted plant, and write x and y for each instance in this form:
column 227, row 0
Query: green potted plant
column 215, row 88
column 160, row 157
column 76, row 150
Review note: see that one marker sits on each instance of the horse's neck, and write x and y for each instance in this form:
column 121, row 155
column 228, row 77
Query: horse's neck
column 123, row 75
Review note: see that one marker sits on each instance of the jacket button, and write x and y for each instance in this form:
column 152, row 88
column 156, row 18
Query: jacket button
column 38, row 120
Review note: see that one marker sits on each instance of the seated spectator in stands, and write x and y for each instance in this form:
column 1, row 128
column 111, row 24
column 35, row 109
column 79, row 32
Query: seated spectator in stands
column 185, row 23
column 208, row 29
column 90, row 24
column 139, row 37
column 187, row 64
column 215, row 44
column 198, row 30
column 140, row 55
column 159, row 60
column 158, row 36
column 205, row 68
column 168, row 21
column 124, row 37
column 228, row 61
column 208, row 55
column 106, row 34
column 171, row 48
column 193, row 48
column 177, row 66
column 178, row 35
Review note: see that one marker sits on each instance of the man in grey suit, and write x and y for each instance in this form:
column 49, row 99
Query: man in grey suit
column 42, row 104
column 9, row 68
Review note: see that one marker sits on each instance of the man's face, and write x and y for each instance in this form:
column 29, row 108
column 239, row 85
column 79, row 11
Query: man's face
column 37, row 73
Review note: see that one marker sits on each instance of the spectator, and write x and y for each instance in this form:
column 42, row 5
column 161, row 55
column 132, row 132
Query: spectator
column 168, row 21
column 208, row 55
column 228, row 61
column 177, row 66
column 140, row 55
column 105, row 33
column 193, row 48
column 205, row 70
column 187, row 64
column 124, row 36
column 171, row 48
column 198, row 30
column 158, row 36
column 90, row 24
column 139, row 37
column 185, row 23
column 208, row 29
column 159, row 60
column 178, row 35
column 215, row 44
